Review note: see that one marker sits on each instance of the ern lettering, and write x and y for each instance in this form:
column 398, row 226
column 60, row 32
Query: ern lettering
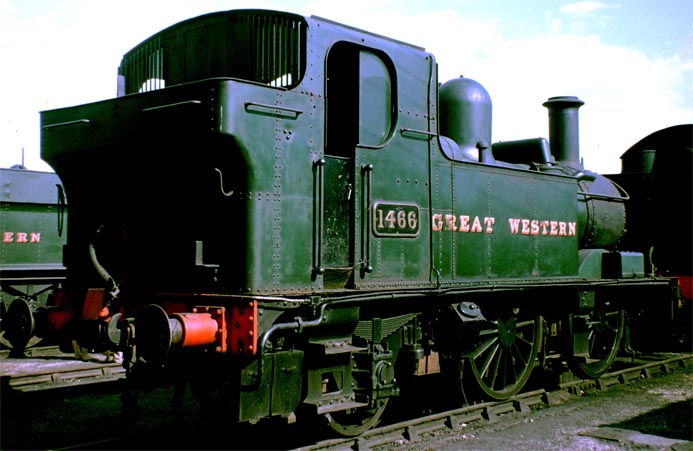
column 21, row 237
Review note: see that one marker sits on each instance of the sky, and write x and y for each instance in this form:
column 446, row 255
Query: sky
column 630, row 61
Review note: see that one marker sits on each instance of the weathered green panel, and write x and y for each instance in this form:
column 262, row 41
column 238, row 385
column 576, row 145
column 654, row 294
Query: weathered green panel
column 508, row 223
column 591, row 263
column 441, row 188
column 32, row 221
column 400, row 258
column 337, row 226
column 274, row 131
column 394, row 127
column 287, row 382
column 254, row 403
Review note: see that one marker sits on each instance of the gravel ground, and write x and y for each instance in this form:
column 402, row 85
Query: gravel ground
column 616, row 419
column 646, row 414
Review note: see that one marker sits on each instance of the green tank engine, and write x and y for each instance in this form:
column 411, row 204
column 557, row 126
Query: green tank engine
column 293, row 215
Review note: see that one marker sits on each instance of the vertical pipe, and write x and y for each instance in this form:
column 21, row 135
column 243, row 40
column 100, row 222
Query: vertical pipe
column 564, row 129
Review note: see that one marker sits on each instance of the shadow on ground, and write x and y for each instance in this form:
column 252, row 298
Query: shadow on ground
column 674, row 421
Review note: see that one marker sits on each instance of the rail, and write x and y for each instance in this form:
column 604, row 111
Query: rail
column 47, row 368
column 413, row 430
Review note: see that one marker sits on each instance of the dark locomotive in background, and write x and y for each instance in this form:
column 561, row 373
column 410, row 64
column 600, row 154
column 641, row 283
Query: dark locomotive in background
column 294, row 217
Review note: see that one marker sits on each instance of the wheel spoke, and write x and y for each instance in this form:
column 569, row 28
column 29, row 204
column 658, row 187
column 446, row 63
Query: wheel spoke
column 527, row 323
column 519, row 356
column 489, row 359
column 499, row 367
column 522, row 340
column 481, row 349
column 605, row 330
column 487, row 332
column 508, row 369
column 496, row 365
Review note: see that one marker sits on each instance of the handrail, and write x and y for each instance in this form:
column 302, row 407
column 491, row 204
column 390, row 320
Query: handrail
column 367, row 174
column 273, row 110
column 68, row 123
column 173, row 105
column 417, row 133
column 319, row 209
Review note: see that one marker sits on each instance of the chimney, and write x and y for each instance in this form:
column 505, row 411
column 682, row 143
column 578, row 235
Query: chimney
column 564, row 131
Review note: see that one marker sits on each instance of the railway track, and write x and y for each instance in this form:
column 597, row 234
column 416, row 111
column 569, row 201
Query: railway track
column 156, row 429
column 414, row 430
column 47, row 368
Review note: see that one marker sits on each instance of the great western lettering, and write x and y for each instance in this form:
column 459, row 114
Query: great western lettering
column 516, row 226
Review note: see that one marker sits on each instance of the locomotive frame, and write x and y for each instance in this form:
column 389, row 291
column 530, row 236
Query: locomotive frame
column 291, row 215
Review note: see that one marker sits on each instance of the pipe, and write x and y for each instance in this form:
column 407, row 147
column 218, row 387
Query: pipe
column 298, row 325
column 564, row 131
column 113, row 286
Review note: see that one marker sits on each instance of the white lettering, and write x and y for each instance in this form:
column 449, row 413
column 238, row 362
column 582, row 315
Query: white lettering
column 488, row 222
column 450, row 221
column 534, row 227
column 464, row 223
column 514, row 225
column 541, row 226
column 517, row 226
column 437, row 225
column 476, row 225
column 554, row 228
column 21, row 237
column 544, row 227
column 562, row 229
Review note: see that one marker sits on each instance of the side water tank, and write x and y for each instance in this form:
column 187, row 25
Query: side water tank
column 465, row 115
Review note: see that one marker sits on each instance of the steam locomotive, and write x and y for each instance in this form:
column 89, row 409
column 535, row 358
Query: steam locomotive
column 655, row 167
column 32, row 226
column 295, row 218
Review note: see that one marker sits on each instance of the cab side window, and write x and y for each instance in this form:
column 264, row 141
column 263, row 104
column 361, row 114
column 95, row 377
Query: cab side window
column 359, row 98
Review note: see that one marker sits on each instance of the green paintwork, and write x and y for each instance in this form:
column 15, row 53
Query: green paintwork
column 504, row 244
column 319, row 191
column 305, row 170
column 32, row 223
